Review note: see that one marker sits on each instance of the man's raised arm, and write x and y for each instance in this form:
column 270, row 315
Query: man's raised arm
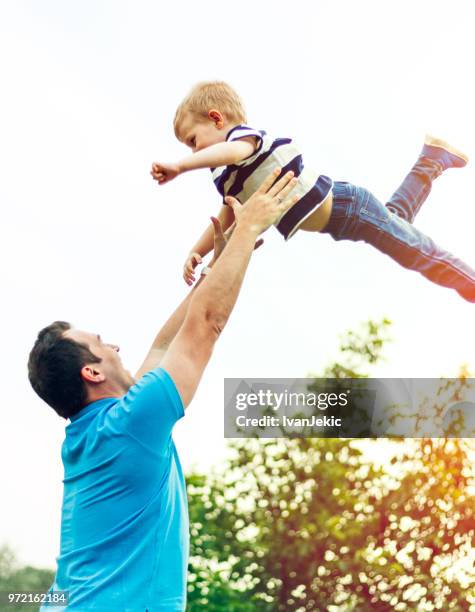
column 211, row 304
column 170, row 329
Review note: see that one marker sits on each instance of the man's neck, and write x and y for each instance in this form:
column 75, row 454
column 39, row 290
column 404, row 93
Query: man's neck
column 95, row 394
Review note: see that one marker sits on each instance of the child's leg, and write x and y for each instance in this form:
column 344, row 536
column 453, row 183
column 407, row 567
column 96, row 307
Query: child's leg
column 436, row 156
column 358, row 215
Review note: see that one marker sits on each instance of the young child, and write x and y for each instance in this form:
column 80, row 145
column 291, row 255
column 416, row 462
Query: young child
column 211, row 121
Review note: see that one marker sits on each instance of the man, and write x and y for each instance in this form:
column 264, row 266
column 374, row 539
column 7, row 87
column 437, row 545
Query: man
column 124, row 526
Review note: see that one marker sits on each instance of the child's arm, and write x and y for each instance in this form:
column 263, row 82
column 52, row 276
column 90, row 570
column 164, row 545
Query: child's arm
column 205, row 244
column 220, row 154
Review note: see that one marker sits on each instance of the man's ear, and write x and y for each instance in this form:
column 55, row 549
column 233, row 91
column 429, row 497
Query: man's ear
column 218, row 119
column 91, row 374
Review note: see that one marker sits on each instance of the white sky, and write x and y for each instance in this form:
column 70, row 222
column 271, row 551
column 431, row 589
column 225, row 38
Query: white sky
column 89, row 91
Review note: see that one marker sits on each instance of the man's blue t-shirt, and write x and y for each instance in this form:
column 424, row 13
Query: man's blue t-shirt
column 124, row 525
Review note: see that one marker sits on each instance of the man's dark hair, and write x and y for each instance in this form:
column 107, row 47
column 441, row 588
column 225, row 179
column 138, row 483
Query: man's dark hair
column 54, row 369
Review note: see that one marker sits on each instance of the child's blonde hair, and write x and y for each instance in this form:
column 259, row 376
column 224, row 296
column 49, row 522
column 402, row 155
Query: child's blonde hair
column 207, row 95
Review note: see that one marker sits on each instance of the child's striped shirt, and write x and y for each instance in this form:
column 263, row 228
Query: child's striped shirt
column 243, row 178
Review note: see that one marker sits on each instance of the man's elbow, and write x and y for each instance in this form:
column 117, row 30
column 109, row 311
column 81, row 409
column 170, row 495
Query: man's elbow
column 207, row 324
column 215, row 323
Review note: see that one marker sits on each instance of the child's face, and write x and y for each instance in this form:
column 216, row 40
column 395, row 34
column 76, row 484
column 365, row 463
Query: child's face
column 201, row 133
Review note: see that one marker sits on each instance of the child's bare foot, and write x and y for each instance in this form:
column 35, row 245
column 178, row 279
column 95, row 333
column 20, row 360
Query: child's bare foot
column 444, row 153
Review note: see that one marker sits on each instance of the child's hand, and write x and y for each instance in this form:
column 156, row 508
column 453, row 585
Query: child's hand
column 191, row 262
column 164, row 172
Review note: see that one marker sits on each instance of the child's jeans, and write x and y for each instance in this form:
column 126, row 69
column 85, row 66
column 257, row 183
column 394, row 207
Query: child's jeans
column 358, row 215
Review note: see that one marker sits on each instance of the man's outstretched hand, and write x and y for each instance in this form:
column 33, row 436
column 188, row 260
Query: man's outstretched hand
column 267, row 204
column 220, row 240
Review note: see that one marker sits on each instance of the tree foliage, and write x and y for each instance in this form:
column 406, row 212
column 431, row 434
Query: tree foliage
column 15, row 579
column 311, row 524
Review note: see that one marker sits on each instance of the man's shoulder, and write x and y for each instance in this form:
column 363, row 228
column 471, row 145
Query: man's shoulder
column 154, row 386
column 150, row 408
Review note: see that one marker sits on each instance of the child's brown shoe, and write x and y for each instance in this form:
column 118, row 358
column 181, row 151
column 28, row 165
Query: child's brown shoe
column 441, row 151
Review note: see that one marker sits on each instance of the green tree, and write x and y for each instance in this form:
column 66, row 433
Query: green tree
column 16, row 579
column 422, row 553
column 310, row 524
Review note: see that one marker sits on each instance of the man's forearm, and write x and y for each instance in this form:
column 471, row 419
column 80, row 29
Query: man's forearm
column 221, row 154
column 173, row 323
column 169, row 330
column 217, row 297
column 166, row 334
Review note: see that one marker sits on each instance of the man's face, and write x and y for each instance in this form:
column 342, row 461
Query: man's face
column 111, row 364
column 199, row 134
